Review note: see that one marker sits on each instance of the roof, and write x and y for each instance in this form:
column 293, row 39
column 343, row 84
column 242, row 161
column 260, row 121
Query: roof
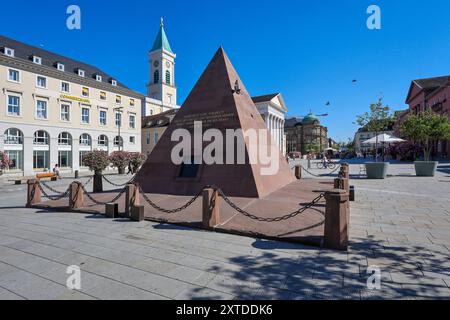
column 432, row 83
column 292, row 122
column 264, row 98
column 310, row 118
column 161, row 41
column 159, row 120
column 50, row 59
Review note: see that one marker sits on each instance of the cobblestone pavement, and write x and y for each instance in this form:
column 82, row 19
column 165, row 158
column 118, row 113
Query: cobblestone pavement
column 400, row 224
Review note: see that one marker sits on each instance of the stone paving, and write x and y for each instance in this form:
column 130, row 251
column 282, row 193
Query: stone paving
column 400, row 224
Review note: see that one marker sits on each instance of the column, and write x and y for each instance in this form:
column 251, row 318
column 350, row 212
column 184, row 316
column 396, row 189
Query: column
column 28, row 155
column 75, row 152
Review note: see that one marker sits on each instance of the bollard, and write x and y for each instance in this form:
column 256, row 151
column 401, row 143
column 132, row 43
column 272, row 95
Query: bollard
column 298, row 172
column 33, row 193
column 345, row 171
column 342, row 183
column 76, row 196
column 112, row 210
column 211, row 208
column 131, row 198
column 352, row 194
column 336, row 220
column 77, row 174
column 137, row 213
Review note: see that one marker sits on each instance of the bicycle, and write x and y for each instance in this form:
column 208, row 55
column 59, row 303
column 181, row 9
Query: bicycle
column 323, row 165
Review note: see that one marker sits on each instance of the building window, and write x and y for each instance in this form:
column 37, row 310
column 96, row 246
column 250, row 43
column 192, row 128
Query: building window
column 132, row 103
column 13, row 106
column 85, row 140
column 102, row 118
column 114, row 82
column 156, row 76
column 65, row 87
column 168, row 77
column 41, row 160
column 13, row 75
column 41, row 138
column 132, row 140
column 102, row 95
column 118, row 120
column 15, row 160
column 98, row 78
column 85, row 92
column 118, row 141
column 85, row 115
column 65, row 112
column 65, row 139
column 169, row 98
column 132, row 121
column 156, row 137
column 148, row 137
column 81, row 157
column 81, row 73
column 13, row 136
column 118, row 99
column 102, row 141
column 41, row 109
column 37, row 60
column 65, row 158
column 60, row 66
column 9, row 52
column 41, row 82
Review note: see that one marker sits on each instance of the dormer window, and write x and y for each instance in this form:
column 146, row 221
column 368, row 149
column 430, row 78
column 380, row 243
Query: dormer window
column 9, row 52
column 81, row 72
column 37, row 60
column 60, row 66
column 98, row 78
column 113, row 82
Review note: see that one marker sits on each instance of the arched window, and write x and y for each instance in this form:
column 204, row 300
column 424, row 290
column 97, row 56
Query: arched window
column 118, row 141
column 85, row 140
column 65, row 139
column 13, row 136
column 102, row 141
column 167, row 77
column 156, row 76
column 41, row 138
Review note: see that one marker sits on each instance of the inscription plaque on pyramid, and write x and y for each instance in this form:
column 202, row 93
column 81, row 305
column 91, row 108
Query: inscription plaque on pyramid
column 220, row 101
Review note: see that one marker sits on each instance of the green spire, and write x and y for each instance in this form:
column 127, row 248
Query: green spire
column 161, row 41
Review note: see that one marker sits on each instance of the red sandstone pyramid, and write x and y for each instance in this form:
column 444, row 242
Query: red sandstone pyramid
column 214, row 101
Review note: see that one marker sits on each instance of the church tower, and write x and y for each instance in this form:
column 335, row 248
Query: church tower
column 162, row 70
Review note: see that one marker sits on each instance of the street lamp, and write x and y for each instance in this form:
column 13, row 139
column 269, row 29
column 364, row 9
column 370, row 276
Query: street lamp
column 119, row 109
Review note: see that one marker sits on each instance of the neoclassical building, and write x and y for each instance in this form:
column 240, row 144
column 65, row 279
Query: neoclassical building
column 273, row 110
column 161, row 88
column 53, row 110
column 306, row 134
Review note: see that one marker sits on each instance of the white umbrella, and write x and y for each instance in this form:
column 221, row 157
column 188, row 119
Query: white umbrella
column 383, row 138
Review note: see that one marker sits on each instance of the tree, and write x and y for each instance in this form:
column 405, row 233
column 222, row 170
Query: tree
column 4, row 160
column 312, row 148
column 427, row 129
column 97, row 161
column 136, row 160
column 377, row 120
column 120, row 159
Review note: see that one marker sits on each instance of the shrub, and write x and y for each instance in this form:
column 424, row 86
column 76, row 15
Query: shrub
column 4, row 160
column 120, row 159
column 136, row 160
column 97, row 161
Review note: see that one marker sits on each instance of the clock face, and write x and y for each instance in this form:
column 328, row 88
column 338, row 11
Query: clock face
column 168, row 64
column 156, row 64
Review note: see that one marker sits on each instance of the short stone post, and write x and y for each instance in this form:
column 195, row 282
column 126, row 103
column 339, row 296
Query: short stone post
column 132, row 198
column 77, row 174
column 76, row 195
column 298, row 172
column 211, row 207
column 345, row 170
column 112, row 210
column 33, row 193
column 336, row 220
column 137, row 213
column 352, row 193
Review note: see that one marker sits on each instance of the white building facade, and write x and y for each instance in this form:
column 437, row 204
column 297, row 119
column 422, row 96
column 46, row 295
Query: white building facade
column 54, row 109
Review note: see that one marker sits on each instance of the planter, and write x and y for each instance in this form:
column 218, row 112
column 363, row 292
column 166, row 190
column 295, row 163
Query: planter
column 425, row 168
column 377, row 170
column 98, row 182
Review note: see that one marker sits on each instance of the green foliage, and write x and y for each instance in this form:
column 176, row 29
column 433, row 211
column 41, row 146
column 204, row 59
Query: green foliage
column 426, row 129
column 96, row 160
column 312, row 148
column 137, row 159
column 120, row 159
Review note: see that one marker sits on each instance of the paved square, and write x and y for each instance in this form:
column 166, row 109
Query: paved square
column 401, row 224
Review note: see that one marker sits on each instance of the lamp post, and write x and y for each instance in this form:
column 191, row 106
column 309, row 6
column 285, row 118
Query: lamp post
column 119, row 109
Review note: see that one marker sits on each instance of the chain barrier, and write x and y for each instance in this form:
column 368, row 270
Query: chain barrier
column 61, row 195
column 277, row 219
column 90, row 197
column 338, row 167
column 155, row 206
column 117, row 184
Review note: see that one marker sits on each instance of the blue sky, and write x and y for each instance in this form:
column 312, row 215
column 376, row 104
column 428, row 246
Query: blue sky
column 310, row 51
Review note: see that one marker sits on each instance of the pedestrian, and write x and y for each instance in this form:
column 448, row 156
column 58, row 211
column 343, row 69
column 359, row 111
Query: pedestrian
column 56, row 171
column 130, row 168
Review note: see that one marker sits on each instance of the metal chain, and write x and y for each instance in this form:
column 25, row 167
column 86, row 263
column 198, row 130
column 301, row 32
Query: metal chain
column 54, row 197
column 119, row 185
column 277, row 219
column 171, row 211
column 90, row 197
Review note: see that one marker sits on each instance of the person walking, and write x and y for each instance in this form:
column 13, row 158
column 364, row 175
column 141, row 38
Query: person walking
column 56, row 171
